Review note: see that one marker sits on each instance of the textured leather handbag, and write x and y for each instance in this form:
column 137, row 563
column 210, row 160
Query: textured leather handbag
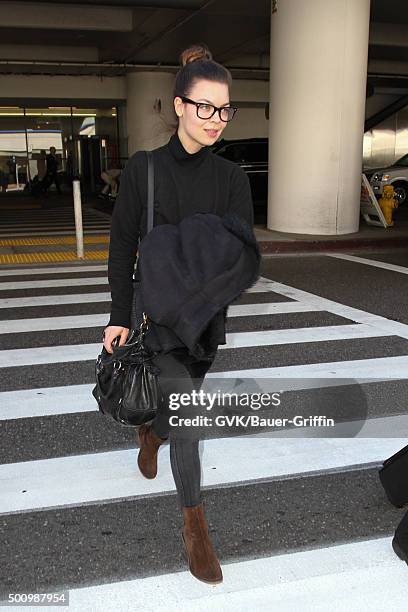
column 126, row 381
column 127, row 387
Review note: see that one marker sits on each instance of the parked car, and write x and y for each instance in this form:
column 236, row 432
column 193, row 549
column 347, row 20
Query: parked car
column 395, row 175
column 252, row 155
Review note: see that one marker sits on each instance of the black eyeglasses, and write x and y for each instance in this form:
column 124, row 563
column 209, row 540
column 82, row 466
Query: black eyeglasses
column 206, row 111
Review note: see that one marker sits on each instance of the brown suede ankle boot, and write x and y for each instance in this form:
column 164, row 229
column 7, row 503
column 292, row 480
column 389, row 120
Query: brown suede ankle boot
column 149, row 443
column 202, row 560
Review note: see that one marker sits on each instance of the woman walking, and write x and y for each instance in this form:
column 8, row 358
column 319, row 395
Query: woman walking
column 189, row 179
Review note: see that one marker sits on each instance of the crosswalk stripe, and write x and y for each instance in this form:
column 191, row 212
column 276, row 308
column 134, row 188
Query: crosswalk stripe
column 380, row 368
column 300, row 335
column 98, row 320
column 54, row 300
column 348, row 312
column 77, row 479
column 369, row 262
column 56, row 282
column 249, row 310
column 51, row 300
column 53, row 323
column 49, row 354
column 46, row 401
column 382, row 325
column 349, row 576
column 55, row 270
column 84, row 352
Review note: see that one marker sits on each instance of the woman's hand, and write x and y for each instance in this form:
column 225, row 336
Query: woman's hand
column 111, row 332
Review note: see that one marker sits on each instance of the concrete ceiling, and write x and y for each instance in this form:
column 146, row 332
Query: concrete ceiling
column 102, row 36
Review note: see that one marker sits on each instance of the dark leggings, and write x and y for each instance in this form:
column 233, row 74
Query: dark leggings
column 184, row 455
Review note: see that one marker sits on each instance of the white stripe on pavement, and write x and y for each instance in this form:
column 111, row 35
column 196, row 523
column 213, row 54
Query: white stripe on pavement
column 98, row 320
column 46, row 401
column 49, row 354
column 300, row 335
column 77, row 479
column 53, row 323
column 84, row 352
column 308, row 301
column 354, row 314
column 56, row 282
column 379, row 368
column 55, row 270
column 370, row 262
column 246, row 310
column 54, row 300
column 51, row 300
column 344, row 577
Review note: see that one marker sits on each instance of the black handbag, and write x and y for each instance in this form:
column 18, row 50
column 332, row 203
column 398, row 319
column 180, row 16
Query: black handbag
column 127, row 388
column 394, row 477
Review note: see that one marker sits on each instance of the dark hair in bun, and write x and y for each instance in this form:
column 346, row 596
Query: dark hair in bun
column 195, row 52
column 197, row 63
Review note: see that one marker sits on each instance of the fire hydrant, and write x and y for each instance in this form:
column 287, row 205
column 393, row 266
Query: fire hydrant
column 387, row 203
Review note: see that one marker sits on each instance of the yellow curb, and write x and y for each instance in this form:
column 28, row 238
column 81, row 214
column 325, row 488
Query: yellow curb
column 90, row 239
column 17, row 258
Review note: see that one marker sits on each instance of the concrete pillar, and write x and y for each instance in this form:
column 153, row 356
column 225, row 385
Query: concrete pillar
column 147, row 127
column 318, row 70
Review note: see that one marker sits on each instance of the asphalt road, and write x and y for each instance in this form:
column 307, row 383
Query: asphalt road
column 74, row 510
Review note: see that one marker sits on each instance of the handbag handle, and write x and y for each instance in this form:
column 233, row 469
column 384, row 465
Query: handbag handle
column 150, row 203
column 150, row 190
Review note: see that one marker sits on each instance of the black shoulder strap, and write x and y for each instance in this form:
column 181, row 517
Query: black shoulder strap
column 150, row 190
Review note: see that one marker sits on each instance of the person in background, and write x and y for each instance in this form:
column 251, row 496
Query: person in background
column 52, row 171
column 4, row 174
column 110, row 178
column 42, row 165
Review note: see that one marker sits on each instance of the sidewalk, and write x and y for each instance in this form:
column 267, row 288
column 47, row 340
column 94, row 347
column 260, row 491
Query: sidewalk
column 42, row 230
column 35, row 246
column 368, row 237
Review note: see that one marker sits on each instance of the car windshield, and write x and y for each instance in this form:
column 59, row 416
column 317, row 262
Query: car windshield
column 402, row 162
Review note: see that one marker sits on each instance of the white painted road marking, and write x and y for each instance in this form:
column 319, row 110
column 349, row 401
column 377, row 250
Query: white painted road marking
column 344, row 577
column 55, row 282
column 370, row 262
column 54, row 300
column 85, row 352
column 54, row 270
column 100, row 320
column 91, row 477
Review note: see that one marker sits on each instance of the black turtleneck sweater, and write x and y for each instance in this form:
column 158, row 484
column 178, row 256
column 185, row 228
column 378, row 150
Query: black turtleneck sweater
column 185, row 183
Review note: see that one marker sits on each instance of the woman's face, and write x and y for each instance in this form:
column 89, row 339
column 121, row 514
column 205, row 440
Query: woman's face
column 197, row 132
